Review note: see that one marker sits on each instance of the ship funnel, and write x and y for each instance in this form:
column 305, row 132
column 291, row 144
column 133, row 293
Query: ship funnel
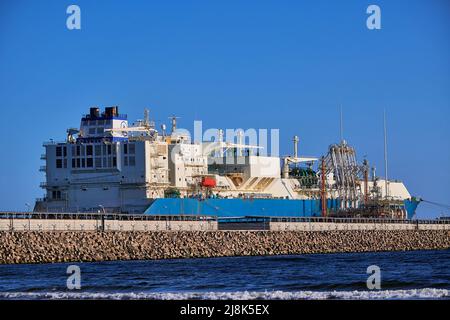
column 94, row 112
column 112, row 111
column 296, row 146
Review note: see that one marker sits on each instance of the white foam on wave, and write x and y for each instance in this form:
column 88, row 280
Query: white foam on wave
column 428, row 293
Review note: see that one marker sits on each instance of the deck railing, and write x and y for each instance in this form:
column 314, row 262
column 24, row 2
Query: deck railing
column 105, row 216
column 187, row 217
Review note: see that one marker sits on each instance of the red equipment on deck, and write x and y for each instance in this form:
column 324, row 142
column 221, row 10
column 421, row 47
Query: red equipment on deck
column 208, row 182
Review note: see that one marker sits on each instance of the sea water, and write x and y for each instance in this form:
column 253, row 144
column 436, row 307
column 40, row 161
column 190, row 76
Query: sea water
column 403, row 275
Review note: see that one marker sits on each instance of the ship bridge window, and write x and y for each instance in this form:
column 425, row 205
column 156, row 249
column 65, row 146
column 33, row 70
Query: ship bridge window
column 100, row 131
column 89, row 150
column 98, row 150
column 98, row 162
column 56, row 194
column 61, row 155
column 132, row 148
column 91, row 130
column 89, row 163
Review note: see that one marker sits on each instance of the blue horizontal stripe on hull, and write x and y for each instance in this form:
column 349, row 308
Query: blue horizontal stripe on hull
column 238, row 207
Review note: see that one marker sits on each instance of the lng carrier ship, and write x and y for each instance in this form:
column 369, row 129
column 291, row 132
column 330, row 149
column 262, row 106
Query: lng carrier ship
column 109, row 165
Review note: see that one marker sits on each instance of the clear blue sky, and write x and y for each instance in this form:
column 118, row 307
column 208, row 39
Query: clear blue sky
column 249, row 64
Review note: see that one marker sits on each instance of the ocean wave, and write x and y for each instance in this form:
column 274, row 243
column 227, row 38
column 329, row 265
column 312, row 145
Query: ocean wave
column 427, row 293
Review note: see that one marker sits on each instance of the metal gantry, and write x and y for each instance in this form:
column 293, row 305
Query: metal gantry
column 347, row 174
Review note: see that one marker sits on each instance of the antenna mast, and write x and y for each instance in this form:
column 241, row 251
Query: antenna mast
column 386, row 184
column 341, row 125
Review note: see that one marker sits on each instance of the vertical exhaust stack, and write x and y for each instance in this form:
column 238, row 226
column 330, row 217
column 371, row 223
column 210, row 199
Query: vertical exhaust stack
column 174, row 123
column 146, row 117
column 240, row 136
column 296, row 139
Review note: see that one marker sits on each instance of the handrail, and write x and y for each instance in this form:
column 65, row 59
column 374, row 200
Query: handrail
column 187, row 217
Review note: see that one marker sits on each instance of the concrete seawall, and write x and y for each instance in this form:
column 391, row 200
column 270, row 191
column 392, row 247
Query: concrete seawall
column 70, row 246
column 324, row 226
column 97, row 224
column 108, row 225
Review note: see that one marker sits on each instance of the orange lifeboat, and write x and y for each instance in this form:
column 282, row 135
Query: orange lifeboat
column 208, row 182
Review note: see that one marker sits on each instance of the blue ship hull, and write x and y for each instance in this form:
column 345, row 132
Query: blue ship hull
column 227, row 208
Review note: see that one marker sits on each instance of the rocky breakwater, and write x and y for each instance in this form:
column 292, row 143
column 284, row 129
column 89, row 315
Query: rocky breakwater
column 48, row 247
